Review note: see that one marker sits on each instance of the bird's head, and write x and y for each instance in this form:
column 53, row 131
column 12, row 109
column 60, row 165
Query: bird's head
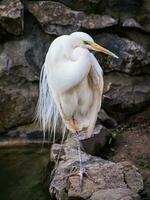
column 84, row 40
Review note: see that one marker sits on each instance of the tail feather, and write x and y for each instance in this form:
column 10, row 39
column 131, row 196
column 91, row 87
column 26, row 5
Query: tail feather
column 47, row 113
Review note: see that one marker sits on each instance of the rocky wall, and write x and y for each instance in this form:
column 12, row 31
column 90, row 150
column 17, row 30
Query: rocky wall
column 27, row 29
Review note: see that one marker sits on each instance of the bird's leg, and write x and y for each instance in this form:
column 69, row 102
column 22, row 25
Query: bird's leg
column 82, row 170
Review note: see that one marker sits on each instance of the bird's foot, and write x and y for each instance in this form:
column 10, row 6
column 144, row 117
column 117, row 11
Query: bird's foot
column 82, row 172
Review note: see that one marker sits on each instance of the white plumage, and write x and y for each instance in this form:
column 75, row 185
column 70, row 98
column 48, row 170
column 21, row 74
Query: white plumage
column 71, row 84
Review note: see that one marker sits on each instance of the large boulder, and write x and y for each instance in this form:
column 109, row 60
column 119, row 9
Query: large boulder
column 20, row 64
column 11, row 17
column 97, row 141
column 17, row 94
column 107, row 180
column 17, row 105
column 133, row 58
column 126, row 95
column 56, row 18
column 130, row 13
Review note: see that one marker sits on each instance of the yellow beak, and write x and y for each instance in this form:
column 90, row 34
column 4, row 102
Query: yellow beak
column 99, row 48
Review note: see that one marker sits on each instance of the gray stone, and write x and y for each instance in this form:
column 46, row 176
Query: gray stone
column 139, row 11
column 13, row 60
column 97, row 141
column 56, row 18
column 133, row 58
column 130, row 22
column 139, row 38
column 17, row 105
column 126, row 95
column 90, row 6
column 20, row 63
column 28, row 133
column 98, row 22
column 115, row 194
column 106, row 120
column 11, row 17
column 144, row 15
column 105, row 176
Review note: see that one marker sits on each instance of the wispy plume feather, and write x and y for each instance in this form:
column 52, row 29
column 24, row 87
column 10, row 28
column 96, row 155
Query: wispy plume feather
column 47, row 113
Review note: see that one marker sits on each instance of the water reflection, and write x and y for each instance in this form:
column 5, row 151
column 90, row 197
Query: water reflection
column 23, row 173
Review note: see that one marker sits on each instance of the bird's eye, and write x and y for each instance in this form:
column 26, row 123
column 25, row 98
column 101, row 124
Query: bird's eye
column 85, row 42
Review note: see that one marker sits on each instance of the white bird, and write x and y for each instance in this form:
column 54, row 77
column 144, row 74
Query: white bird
column 71, row 84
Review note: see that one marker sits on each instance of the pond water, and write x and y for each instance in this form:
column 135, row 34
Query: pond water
column 23, row 173
column 4, row 1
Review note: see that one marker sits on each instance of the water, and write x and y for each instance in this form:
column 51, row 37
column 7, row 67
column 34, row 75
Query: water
column 4, row 1
column 23, row 173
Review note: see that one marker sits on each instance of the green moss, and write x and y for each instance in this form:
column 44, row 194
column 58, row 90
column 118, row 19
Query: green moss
column 145, row 166
column 113, row 137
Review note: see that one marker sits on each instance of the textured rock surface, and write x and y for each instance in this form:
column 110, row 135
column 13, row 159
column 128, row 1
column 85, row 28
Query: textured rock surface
column 17, row 105
column 115, row 194
column 121, row 26
column 55, row 18
column 18, row 94
column 107, row 180
column 32, row 134
column 97, row 141
column 126, row 95
column 139, row 10
column 132, row 143
column 133, row 58
column 106, row 120
column 20, row 62
column 11, row 17
column 21, row 57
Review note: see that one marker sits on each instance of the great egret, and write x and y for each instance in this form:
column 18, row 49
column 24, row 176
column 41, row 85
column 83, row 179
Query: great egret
column 71, row 84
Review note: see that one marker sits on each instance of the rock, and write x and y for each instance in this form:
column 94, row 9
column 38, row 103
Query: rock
column 17, row 105
column 115, row 194
column 97, row 141
column 91, row 145
column 11, row 17
column 139, row 118
column 98, row 22
column 23, row 135
column 139, row 10
column 126, row 95
column 130, row 22
column 90, row 6
column 106, row 179
column 56, row 18
column 121, row 10
column 140, row 38
column 106, row 120
column 13, row 62
column 20, row 64
column 144, row 15
column 18, row 95
column 30, row 133
column 133, row 58
column 132, row 144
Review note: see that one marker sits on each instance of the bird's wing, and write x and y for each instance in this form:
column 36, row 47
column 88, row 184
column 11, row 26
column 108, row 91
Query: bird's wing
column 68, row 72
column 96, row 83
column 81, row 103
